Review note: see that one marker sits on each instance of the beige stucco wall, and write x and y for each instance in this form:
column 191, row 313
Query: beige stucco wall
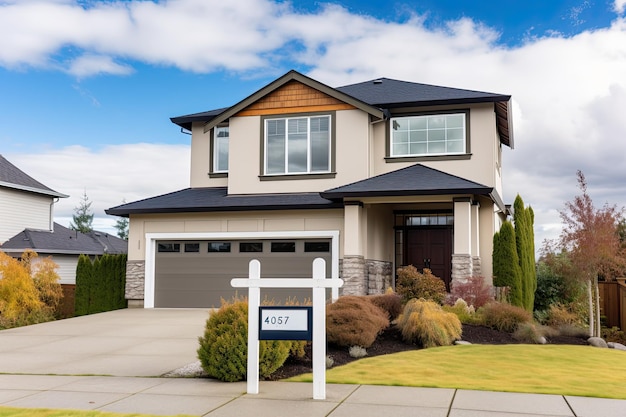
column 259, row 221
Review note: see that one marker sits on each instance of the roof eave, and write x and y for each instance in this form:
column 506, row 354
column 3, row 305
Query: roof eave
column 398, row 193
column 50, row 193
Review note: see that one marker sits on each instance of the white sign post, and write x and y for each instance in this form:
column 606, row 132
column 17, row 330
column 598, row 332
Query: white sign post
column 318, row 284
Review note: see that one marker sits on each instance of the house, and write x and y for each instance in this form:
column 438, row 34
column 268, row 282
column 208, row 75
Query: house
column 24, row 202
column 27, row 223
column 64, row 246
column 370, row 176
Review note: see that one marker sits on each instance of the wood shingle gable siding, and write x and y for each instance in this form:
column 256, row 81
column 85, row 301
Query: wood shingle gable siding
column 294, row 97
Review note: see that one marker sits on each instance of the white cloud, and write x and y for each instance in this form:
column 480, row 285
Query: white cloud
column 108, row 176
column 569, row 92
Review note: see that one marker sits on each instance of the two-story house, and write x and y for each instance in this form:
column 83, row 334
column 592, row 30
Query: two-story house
column 370, row 176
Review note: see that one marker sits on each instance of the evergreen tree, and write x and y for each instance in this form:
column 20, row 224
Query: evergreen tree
column 122, row 228
column 506, row 269
column 83, row 217
column 83, row 284
column 524, row 236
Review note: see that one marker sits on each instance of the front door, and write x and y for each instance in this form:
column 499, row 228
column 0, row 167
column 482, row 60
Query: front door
column 431, row 248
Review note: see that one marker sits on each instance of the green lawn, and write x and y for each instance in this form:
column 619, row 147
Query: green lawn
column 545, row 369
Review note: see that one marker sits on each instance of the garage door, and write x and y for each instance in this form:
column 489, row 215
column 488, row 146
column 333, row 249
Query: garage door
column 197, row 274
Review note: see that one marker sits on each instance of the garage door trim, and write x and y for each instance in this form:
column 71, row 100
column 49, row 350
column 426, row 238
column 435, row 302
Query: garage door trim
column 151, row 244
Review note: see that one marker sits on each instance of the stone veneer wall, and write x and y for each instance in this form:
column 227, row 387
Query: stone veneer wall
column 135, row 279
column 462, row 267
column 364, row 276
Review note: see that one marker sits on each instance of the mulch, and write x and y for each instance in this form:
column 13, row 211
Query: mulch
column 390, row 341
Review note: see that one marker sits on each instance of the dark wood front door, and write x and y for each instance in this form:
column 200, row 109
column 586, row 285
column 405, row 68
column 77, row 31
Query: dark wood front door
column 431, row 248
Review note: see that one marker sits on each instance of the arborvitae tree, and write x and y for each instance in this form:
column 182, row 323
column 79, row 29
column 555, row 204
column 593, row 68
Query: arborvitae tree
column 506, row 269
column 524, row 236
column 83, row 217
column 83, row 286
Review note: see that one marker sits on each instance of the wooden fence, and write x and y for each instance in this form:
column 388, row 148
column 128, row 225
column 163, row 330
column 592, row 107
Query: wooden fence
column 613, row 303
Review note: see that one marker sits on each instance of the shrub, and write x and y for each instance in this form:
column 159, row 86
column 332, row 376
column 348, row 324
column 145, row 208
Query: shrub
column 532, row 333
column 474, row 291
column 354, row 320
column 390, row 302
column 573, row 331
column 425, row 323
column 357, row 352
column 614, row 334
column 504, row 317
column 413, row 284
column 466, row 314
column 223, row 350
column 558, row 315
column 46, row 281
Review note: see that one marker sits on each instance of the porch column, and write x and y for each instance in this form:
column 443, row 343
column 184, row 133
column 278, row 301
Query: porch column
column 476, row 259
column 353, row 266
column 462, row 256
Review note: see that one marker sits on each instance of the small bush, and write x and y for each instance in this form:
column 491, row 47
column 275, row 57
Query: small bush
column 532, row 333
column 504, row 317
column 389, row 302
column 466, row 314
column 425, row 323
column 223, row 350
column 357, row 352
column 558, row 315
column 354, row 320
column 474, row 291
column 573, row 331
column 614, row 334
column 413, row 284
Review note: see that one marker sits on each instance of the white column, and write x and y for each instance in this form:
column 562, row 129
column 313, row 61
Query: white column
column 462, row 226
column 254, row 301
column 475, row 229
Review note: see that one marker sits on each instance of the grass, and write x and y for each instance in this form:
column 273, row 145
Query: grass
column 543, row 369
column 41, row 412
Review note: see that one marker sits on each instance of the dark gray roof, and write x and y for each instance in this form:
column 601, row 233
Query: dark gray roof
column 389, row 93
column 381, row 93
column 210, row 199
column 12, row 177
column 186, row 121
column 414, row 180
column 65, row 241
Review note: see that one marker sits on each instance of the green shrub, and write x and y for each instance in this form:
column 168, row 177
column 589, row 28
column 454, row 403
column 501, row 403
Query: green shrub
column 413, row 284
column 504, row 317
column 390, row 302
column 465, row 313
column 354, row 320
column 425, row 323
column 223, row 350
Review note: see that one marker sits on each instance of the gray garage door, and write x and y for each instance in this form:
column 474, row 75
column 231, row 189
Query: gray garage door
column 197, row 274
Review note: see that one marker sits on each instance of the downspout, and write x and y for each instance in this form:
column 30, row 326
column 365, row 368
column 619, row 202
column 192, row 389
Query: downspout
column 370, row 142
column 51, row 217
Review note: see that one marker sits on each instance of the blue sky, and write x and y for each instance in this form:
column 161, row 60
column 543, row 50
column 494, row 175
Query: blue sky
column 87, row 87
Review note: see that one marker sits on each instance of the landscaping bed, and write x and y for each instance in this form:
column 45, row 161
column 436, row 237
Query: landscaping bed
column 390, row 341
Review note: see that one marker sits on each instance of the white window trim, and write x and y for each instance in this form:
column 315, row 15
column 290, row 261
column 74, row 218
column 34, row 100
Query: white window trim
column 409, row 155
column 308, row 144
column 152, row 238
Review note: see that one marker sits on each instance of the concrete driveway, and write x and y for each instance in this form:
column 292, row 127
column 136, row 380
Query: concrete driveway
column 129, row 342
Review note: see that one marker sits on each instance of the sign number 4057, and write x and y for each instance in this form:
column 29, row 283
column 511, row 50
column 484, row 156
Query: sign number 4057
column 276, row 320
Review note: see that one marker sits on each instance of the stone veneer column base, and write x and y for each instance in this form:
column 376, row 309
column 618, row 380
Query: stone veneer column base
column 462, row 267
column 477, row 269
column 379, row 276
column 353, row 274
column 135, row 281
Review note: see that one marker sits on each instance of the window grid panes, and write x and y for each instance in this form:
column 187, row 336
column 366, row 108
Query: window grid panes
column 297, row 145
column 442, row 134
column 426, row 219
column 220, row 149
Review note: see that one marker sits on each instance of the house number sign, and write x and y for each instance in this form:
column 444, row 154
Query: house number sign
column 285, row 323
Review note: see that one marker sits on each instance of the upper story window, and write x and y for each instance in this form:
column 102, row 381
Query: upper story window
column 297, row 145
column 427, row 135
column 220, row 149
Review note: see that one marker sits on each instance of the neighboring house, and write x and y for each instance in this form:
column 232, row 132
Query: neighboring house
column 26, row 222
column 65, row 246
column 24, row 202
column 370, row 176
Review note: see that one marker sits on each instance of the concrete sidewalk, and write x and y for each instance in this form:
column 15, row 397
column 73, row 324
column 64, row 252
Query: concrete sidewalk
column 204, row 397
column 43, row 366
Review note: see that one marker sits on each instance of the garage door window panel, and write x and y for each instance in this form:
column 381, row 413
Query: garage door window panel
column 250, row 247
column 219, row 247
